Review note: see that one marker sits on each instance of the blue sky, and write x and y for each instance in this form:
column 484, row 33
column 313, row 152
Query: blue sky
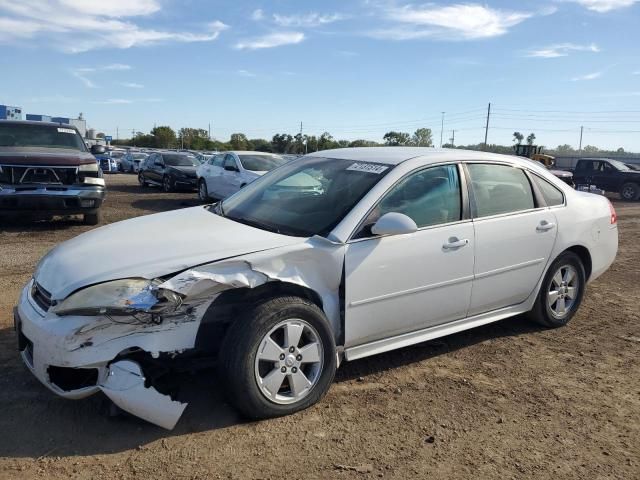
column 356, row 69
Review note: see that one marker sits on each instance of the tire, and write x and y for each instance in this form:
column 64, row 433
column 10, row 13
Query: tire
column 203, row 193
column 261, row 326
column 564, row 274
column 93, row 218
column 630, row 192
column 142, row 181
column 167, row 184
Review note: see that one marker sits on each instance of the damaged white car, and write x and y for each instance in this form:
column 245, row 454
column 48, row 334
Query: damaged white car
column 276, row 285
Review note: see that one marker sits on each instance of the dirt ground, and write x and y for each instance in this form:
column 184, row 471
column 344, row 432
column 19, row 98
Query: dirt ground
column 508, row 400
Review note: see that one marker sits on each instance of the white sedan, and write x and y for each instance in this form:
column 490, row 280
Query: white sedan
column 227, row 172
column 277, row 284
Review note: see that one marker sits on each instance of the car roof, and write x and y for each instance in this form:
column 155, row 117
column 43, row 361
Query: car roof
column 246, row 152
column 397, row 155
column 35, row 122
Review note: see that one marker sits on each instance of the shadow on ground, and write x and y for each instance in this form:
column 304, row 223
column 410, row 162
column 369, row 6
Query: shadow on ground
column 35, row 422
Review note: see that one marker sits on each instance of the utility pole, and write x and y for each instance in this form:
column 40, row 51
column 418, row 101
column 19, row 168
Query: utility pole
column 441, row 129
column 486, row 128
column 453, row 138
column 209, row 134
column 133, row 136
column 117, row 137
column 580, row 147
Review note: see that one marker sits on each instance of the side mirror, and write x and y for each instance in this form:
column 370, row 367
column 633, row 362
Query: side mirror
column 231, row 168
column 98, row 149
column 394, row 223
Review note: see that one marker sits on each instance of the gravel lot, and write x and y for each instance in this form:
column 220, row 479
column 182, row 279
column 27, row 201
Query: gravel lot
column 508, row 400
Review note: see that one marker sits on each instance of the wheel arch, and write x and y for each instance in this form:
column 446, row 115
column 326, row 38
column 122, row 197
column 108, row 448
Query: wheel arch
column 585, row 257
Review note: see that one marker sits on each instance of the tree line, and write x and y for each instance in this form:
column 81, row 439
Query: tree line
column 198, row 139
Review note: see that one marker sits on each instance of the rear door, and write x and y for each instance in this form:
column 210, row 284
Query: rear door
column 214, row 176
column 514, row 236
column 231, row 176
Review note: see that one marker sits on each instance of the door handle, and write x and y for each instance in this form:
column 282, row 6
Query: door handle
column 453, row 243
column 544, row 226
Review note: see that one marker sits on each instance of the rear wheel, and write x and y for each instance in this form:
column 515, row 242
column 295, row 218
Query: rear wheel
column 561, row 293
column 630, row 192
column 93, row 218
column 279, row 358
column 142, row 181
column 203, row 193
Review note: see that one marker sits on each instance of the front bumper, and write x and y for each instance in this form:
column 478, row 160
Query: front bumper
column 75, row 357
column 53, row 199
column 184, row 182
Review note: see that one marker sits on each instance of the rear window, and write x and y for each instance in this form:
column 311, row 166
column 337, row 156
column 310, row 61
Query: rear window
column 43, row 136
column 180, row 160
column 499, row 189
column 261, row 163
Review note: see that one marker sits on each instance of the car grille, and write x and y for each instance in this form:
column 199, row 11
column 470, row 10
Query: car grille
column 41, row 296
column 29, row 174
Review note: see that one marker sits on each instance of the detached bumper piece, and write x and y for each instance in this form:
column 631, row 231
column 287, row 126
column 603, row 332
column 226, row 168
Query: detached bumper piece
column 125, row 386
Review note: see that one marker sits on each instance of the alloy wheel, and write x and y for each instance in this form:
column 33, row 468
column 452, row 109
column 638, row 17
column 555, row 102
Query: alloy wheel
column 563, row 291
column 628, row 193
column 288, row 362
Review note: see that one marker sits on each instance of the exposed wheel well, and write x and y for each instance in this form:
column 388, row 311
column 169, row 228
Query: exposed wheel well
column 585, row 257
column 230, row 303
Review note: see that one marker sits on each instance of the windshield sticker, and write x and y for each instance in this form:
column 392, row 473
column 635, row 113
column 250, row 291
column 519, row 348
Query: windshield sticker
column 368, row 168
column 66, row 130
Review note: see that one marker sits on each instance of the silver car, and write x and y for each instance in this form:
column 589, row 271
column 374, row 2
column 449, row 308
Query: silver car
column 278, row 284
column 131, row 161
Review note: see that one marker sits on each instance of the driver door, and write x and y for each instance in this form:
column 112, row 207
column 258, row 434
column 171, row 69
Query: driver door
column 403, row 283
column 231, row 177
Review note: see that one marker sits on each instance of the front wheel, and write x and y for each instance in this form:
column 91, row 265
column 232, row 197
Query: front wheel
column 167, row 184
column 142, row 181
column 203, row 193
column 93, row 218
column 630, row 192
column 561, row 293
column 278, row 358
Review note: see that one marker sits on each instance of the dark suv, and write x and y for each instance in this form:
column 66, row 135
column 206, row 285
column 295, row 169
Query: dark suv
column 609, row 175
column 170, row 170
column 46, row 169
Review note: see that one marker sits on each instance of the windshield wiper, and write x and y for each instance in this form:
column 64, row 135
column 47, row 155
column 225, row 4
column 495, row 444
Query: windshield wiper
column 252, row 223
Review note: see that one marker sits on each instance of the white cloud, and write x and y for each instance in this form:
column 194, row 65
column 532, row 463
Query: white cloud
column 114, row 101
column 562, row 50
column 312, row 19
column 131, row 85
column 271, row 40
column 246, row 73
column 257, row 15
column 84, row 73
column 453, row 22
column 603, row 6
column 82, row 25
column 588, row 76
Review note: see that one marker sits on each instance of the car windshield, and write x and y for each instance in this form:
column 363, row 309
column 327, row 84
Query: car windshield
column 261, row 163
column 117, row 154
column 305, row 197
column 139, row 156
column 44, row 136
column 180, row 160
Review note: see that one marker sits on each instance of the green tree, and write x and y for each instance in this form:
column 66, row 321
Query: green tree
column 396, row 138
column 566, row 148
column 280, row 142
column 363, row 143
column 590, row 149
column 531, row 138
column 193, row 138
column 422, row 138
column 260, row 145
column 239, row 141
column 518, row 137
column 326, row 141
column 620, row 150
column 165, row 137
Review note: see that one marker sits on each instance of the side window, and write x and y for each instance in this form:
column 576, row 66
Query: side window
column 429, row 197
column 217, row 161
column 229, row 161
column 499, row 189
column 552, row 195
column 607, row 167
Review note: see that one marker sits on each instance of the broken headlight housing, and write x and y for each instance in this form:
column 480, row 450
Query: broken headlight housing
column 128, row 296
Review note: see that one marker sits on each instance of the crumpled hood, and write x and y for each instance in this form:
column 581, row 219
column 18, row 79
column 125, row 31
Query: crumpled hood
column 149, row 247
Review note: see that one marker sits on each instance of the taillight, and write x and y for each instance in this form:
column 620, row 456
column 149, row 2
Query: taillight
column 614, row 215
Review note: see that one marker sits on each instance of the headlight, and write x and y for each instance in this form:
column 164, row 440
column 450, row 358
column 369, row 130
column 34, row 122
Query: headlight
column 120, row 297
column 88, row 167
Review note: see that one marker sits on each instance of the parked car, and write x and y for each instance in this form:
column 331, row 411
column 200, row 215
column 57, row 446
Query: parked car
column 609, row 175
column 46, row 169
column 169, row 170
column 227, row 172
column 401, row 245
column 131, row 161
